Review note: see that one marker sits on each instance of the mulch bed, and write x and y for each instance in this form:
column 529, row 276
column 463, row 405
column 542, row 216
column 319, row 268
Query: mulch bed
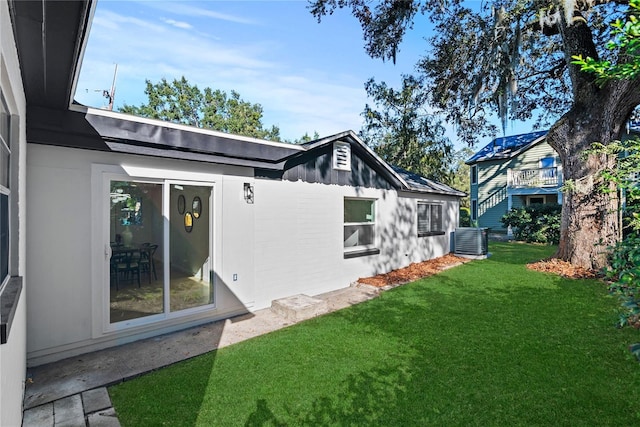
column 419, row 270
column 414, row 271
column 562, row 268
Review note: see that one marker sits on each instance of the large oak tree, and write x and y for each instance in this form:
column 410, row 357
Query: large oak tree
column 515, row 58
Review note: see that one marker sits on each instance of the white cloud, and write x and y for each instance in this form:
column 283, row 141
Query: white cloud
column 182, row 8
column 178, row 24
column 297, row 100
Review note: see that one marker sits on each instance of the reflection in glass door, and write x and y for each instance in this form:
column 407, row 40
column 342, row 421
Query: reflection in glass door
column 160, row 248
column 136, row 285
column 190, row 247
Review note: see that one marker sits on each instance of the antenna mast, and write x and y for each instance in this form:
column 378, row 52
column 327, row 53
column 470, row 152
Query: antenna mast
column 110, row 95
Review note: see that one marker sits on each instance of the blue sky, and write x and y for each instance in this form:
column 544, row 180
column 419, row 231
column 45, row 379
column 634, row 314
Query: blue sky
column 307, row 76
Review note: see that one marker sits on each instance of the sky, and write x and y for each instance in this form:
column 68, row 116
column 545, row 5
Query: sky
column 308, row 76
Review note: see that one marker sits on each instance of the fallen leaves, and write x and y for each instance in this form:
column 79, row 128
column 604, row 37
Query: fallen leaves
column 414, row 271
column 562, row 268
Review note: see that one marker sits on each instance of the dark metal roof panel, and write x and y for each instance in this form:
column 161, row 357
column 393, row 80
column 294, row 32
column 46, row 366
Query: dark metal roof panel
column 506, row 147
column 136, row 136
column 424, row 185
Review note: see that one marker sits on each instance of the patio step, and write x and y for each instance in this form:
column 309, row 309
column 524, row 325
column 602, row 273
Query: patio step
column 299, row 307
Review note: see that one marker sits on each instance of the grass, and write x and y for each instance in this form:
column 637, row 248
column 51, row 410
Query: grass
column 487, row 343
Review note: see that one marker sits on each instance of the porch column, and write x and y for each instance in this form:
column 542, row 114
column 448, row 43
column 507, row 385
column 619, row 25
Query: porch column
column 509, row 206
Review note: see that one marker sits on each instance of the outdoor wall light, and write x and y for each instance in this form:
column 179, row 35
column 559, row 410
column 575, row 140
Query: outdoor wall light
column 248, row 192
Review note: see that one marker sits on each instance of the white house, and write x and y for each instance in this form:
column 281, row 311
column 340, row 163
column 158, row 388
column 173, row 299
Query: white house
column 116, row 228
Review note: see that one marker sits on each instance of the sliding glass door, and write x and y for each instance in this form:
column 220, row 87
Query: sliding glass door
column 160, row 240
column 190, row 269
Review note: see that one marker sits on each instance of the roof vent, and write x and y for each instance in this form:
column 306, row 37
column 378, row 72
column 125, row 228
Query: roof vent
column 341, row 156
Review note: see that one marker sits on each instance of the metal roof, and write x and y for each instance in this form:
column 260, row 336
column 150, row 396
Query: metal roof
column 421, row 184
column 507, row 147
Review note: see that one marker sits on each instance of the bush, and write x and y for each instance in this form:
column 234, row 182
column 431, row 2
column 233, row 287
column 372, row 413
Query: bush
column 535, row 223
column 624, row 273
column 465, row 217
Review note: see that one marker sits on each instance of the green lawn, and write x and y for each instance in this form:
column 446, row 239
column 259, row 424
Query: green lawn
column 486, row 343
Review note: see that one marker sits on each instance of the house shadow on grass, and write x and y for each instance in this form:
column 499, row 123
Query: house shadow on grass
column 464, row 357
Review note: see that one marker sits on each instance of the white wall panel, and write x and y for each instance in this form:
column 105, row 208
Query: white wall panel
column 289, row 241
column 13, row 353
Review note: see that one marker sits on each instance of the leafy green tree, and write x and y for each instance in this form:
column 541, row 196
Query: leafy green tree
column 461, row 174
column 402, row 131
column 306, row 138
column 515, row 58
column 626, row 173
column 627, row 42
column 180, row 102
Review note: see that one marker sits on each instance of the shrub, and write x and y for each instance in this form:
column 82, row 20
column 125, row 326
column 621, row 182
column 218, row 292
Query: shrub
column 624, row 273
column 535, row 223
column 465, row 217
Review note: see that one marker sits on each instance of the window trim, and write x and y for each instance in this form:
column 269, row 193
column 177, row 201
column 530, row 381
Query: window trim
column 361, row 250
column 5, row 146
column 431, row 232
column 10, row 286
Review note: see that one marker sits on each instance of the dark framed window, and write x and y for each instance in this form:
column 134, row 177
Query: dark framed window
column 429, row 219
column 5, row 189
column 474, row 174
column 474, row 210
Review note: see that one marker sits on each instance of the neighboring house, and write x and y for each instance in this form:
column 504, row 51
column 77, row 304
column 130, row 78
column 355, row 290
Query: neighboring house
column 512, row 172
column 231, row 222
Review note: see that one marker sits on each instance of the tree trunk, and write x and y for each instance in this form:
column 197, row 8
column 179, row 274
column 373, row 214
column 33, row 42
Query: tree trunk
column 590, row 213
column 590, row 222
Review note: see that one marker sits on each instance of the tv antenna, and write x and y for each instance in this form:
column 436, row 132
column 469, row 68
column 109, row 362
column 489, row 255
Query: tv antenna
column 111, row 94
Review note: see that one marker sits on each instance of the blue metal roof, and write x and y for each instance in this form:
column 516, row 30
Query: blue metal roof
column 506, row 147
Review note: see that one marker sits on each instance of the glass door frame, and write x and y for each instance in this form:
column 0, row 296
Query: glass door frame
column 102, row 176
column 166, row 211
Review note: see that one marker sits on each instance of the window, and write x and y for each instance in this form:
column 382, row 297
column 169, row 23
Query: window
column 536, row 200
column 547, row 162
column 429, row 219
column 359, row 227
column 342, row 156
column 474, row 174
column 474, row 210
column 5, row 191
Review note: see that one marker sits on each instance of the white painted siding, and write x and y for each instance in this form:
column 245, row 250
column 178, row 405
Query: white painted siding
column 13, row 353
column 289, row 241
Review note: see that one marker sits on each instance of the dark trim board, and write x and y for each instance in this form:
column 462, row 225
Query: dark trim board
column 364, row 252
column 9, row 298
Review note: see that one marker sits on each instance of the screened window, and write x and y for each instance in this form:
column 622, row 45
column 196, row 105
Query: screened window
column 359, row 223
column 547, row 162
column 474, row 174
column 474, row 210
column 429, row 219
column 5, row 192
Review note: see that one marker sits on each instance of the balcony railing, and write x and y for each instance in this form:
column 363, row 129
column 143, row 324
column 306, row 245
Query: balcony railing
column 530, row 178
